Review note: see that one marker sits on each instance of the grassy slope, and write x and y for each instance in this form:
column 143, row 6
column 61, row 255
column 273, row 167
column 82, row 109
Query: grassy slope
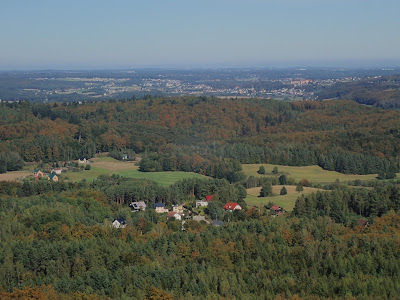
column 285, row 201
column 314, row 174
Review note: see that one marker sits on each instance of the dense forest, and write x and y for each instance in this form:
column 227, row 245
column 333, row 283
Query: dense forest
column 205, row 135
column 56, row 241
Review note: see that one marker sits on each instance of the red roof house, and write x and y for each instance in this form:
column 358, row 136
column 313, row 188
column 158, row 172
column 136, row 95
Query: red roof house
column 276, row 210
column 232, row 206
column 175, row 215
column 209, row 197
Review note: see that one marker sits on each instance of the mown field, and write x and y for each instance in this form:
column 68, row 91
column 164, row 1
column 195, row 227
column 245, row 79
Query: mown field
column 314, row 174
column 109, row 166
column 14, row 175
column 286, row 201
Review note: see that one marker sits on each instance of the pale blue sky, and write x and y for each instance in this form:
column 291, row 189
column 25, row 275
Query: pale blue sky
column 94, row 34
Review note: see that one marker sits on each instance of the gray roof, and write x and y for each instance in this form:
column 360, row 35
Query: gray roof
column 159, row 205
column 138, row 205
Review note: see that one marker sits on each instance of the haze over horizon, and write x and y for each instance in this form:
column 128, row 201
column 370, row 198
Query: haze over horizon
column 207, row 34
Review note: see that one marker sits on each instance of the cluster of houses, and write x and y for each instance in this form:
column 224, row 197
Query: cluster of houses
column 38, row 174
column 230, row 206
column 177, row 211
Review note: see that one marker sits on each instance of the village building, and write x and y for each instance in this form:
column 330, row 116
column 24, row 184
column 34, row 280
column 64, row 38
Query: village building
column 83, row 160
column 175, row 215
column 160, row 208
column 37, row 174
column 56, row 171
column 119, row 223
column 53, row 177
column 177, row 208
column 204, row 202
column 230, row 206
column 276, row 210
column 138, row 206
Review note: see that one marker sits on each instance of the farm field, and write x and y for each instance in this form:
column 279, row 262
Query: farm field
column 314, row 174
column 109, row 166
column 286, row 201
column 14, row 175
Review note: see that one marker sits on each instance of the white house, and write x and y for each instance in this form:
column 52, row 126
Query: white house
column 137, row 206
column 83, row 160
column 204, row 202
column 56, row 171
column 119, row 223
column 200, row 203
column 175, row 215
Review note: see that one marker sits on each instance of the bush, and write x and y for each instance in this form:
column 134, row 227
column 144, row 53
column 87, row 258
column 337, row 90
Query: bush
column 283, row 180
column 261, row 170
column 283, row 191
column 304, row 182
column 299, row 188
column 266, row 190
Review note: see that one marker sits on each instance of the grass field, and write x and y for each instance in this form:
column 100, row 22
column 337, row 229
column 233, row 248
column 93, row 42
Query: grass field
column 109, row 166
column 314, row 174
column 286, row 201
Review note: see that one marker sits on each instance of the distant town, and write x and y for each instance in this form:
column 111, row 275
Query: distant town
column 281, row 84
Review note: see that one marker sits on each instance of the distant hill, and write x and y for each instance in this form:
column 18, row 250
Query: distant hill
column 378, row 91
column 205, row 135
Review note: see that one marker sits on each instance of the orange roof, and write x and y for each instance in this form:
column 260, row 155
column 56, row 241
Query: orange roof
column 232, row 205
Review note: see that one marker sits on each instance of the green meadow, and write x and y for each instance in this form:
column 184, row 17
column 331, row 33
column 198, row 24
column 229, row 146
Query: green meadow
column 314, row 174
column 286, row 201
column 162, row 178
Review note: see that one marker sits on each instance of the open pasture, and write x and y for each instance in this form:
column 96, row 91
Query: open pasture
column 109, row 166
column 286, row 201
column 314, row 174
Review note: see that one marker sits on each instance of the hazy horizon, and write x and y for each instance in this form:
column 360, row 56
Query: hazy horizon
column 316, row 65
column 207, row 34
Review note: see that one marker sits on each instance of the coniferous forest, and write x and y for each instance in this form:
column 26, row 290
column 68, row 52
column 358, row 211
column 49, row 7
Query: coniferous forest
column 57, row 240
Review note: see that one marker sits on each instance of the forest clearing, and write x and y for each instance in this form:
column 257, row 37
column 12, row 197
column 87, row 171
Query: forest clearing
column 286, row 201
column 109, row 166
column 314, row 174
